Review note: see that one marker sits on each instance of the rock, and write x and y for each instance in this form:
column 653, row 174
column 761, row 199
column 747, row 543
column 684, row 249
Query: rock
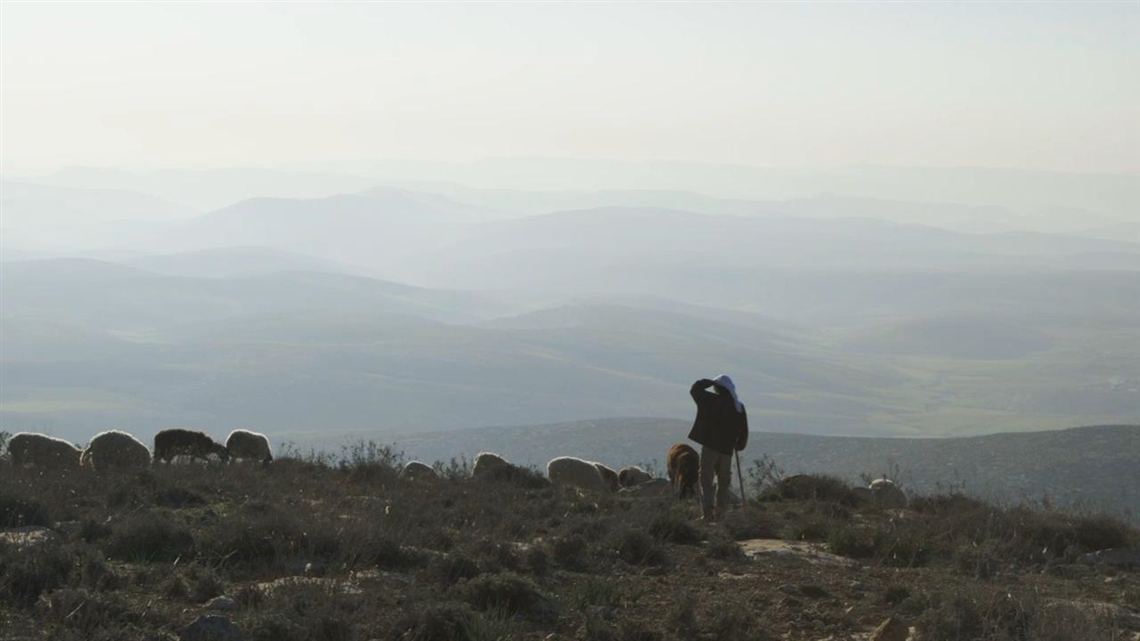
column 1125, row 558
column 891, row 630
column 221, row 603
column 21, row 537
column 69, row 527
column 212, row 627
column 649, row 489
column 813, row 553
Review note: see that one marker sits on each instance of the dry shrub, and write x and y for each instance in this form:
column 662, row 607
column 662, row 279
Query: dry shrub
column 16, row 511
column 149, row 537
column 638, row 548
column 509, row 592
column 26, row 574
column 674, row 527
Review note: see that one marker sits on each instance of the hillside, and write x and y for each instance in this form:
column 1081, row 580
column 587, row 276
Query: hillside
column 1086, row 466
column 90, row 345
column 341, row 549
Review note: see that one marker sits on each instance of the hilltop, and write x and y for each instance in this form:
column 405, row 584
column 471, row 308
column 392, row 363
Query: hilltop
column 1092, row 466
column 340, row 549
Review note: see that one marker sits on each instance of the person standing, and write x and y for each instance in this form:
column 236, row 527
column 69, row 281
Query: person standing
column 721, row 426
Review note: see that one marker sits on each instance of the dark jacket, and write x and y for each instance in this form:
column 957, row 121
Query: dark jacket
column 718, row 425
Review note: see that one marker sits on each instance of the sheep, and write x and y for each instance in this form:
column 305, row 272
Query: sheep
column 177, row 442
column 684, row 466
column 115, row 449
column 862, row 495
column 632, row 476
column 568, row 470
column 417, row 471
column 41, row 450
column 609, row 476
column 489, row 464
column 887, row 493
column 244, row 444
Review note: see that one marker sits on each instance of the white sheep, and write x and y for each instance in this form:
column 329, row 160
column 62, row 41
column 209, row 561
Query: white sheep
column 417, row 471
column 609, row 476
column 115, row 449
column 41, row 450
column 575, row 472
column 632, row 476
column 887, row 494
column 489, row 463
column 244, row 444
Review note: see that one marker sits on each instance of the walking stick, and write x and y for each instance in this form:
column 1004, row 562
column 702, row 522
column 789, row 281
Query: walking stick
column 740, row 475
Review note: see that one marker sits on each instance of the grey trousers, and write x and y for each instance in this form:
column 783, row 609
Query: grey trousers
column 718, row 466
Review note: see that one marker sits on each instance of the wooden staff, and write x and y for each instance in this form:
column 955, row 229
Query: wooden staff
column 740, row 474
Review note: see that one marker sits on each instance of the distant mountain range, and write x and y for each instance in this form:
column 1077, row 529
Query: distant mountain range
column 305, row 300
column 90, row 344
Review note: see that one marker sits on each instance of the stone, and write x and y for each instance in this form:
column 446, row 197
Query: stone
column 28, row 536
column 222, row 603
column 892, row 629
column 212, row 627
column 812, row 553
column 1125, row 558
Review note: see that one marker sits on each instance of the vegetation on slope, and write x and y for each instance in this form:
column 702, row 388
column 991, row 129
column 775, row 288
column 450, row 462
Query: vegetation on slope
column 338, row 547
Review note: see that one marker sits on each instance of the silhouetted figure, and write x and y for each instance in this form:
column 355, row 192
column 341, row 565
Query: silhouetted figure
column 720, row 427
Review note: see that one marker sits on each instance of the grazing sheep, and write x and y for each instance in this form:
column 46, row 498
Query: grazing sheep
column 568, row 470
column 488, row 464
column 862, row 495
column 178, row 442
column 632, row 476
column 42, row 450
column 887, row 494
column 244, row 444
column 684, row 466
column 609, row 476
column 417, row 471
column 115, row 449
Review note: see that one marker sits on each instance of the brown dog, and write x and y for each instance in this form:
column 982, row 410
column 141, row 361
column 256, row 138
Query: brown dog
column 684, row 466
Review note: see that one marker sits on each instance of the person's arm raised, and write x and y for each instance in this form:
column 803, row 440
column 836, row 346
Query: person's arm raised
column 697, row 391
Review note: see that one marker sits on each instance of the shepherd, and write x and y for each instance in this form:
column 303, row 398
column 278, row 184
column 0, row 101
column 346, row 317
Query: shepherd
column 721, row 428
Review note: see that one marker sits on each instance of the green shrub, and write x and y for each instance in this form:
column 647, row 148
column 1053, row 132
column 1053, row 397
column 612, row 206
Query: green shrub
column 749, row 523
column 21, row 512
column 638, row 548
column 674, row 527
column 149, row 537
column 449, row 569
column 537, row 560
column 812, row 487
column 722, row 548
column 26, row 574
column 447, row 621
column 86, row 612
column 570, row 552
column 507, row 592
column 595, row 591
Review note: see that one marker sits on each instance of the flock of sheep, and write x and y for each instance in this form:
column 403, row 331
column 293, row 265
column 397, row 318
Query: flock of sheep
column 114, row 449
column 682, row 465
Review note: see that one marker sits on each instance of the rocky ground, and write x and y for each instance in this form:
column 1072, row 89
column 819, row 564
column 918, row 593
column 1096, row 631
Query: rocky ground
column 340, row 549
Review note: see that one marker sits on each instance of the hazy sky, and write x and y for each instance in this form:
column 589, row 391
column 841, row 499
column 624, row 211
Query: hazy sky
column 1032, row 85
